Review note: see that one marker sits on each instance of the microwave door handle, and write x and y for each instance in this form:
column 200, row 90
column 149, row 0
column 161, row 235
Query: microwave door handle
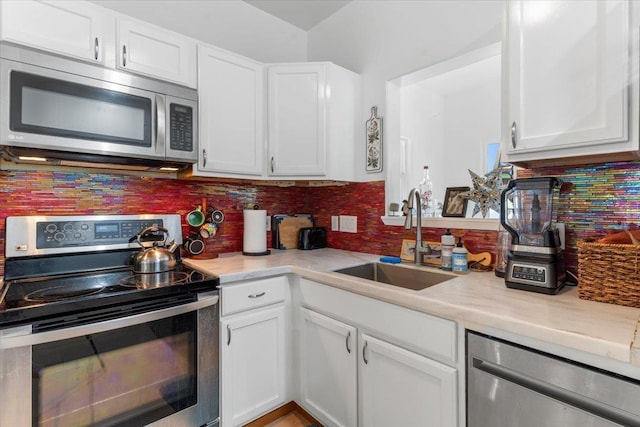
column 160, row 131
column 16, row 341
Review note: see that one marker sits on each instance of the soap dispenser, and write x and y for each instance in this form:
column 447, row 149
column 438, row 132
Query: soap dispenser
column 447, row 243
column 459, row 263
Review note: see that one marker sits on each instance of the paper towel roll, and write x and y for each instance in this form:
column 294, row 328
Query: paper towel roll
column 254, row 241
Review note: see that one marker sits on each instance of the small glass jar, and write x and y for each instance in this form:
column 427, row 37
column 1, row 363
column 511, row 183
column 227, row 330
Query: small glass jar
column 503, row 244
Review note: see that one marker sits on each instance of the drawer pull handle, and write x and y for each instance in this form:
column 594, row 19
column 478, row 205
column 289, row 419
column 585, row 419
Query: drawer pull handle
column 261, row 294
column 228, row 335
column 364, row 353
column 347, row 342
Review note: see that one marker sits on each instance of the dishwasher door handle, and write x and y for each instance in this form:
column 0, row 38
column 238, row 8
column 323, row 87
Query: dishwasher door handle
column 558, row 393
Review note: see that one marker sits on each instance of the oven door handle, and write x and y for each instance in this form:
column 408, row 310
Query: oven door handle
column 29, row 339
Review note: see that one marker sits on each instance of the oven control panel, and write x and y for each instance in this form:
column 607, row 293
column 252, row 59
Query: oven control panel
column 59, row 234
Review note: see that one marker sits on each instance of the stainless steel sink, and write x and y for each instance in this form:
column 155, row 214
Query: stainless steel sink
column 409, row 278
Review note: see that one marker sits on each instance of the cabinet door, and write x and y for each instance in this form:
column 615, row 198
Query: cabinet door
column 69, row 28
column 328, row 369
column 297, row 119
column 230, row 90
column 401, row 388
column 253, row 352
column 568, row 75
column 155, row 52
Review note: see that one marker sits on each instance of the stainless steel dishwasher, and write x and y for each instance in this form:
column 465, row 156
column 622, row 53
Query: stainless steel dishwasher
column 513, row 386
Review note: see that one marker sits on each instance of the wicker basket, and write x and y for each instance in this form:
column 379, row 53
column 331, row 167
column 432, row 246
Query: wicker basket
column 609, row 273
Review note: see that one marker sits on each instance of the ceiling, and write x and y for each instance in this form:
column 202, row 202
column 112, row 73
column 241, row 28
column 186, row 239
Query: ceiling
column 304, row 14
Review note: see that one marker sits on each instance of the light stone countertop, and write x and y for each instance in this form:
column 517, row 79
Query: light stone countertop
column 479, row 300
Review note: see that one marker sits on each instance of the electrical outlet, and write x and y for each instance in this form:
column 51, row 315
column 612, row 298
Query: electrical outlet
column 348, row 223
column 268, row 222
column 335, row 223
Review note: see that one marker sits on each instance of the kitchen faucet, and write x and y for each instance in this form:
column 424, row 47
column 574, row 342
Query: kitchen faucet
column 421, row 249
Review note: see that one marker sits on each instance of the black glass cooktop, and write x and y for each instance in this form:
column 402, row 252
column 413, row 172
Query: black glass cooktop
column 28, row 299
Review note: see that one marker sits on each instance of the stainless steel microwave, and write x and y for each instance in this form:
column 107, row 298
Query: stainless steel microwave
column 77, row 113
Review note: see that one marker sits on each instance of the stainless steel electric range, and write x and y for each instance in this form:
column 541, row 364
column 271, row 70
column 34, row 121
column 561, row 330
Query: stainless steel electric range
column 86, row 341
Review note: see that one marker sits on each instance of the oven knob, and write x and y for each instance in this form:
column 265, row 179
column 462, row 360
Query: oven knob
column 77, row 236
column 68, row 227
column 84, row 226
column 59, row 237
column 51, row 228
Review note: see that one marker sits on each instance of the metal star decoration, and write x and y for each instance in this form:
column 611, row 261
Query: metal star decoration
column 486, row 191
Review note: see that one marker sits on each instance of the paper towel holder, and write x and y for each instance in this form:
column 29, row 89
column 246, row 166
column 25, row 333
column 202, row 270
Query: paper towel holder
column 255, row 207
column 267, row 252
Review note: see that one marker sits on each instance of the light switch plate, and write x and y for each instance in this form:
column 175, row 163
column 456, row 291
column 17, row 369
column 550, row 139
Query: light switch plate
column 348, row 223
column 335, row 223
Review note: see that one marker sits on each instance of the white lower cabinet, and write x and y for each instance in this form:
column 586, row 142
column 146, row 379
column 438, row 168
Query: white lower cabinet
column 254, row 350
column 402, row 388
column 328, row 369
column 253, row 365
column 392, row 379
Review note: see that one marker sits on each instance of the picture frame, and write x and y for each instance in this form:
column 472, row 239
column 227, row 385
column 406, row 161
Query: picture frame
column 454, row 205
column 373, row 143
column 408, row 250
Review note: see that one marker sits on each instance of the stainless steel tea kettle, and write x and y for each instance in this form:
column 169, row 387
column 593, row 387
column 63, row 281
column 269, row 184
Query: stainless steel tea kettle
column 156, row 259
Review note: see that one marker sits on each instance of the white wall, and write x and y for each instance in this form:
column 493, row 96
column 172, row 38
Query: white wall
column 423, row 124
column 448, row 119
column 448, row 129
column 382, row 40
column 230, row 24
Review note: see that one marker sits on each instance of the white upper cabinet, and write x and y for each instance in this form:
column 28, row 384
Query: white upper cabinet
column 68, row 28
column 566, row 83
column 231, row 104
column 297, row 119
column 146, row 49
column 312, row 117
column 83, row 30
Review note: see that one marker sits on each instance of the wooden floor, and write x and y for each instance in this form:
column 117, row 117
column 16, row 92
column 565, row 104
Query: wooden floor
column 288, row 415
column 292, row 419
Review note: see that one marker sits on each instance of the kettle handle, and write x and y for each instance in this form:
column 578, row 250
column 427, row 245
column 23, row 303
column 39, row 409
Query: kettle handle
column 153, row 229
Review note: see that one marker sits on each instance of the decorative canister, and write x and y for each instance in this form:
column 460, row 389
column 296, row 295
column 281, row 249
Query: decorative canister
column 503, row 243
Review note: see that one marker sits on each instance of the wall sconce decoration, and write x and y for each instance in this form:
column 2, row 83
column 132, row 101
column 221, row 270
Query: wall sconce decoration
column 374, row 142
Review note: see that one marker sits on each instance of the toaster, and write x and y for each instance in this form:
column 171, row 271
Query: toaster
column 312, row 238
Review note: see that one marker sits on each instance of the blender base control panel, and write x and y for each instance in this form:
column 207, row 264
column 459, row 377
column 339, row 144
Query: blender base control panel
column 55, row 234
column 529, row 273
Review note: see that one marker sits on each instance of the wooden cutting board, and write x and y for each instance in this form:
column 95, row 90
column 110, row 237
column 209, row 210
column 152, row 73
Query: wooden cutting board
column 483, row 258
column 287, row 229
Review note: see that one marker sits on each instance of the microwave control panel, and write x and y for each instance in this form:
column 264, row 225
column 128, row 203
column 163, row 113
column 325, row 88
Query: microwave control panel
column 180, row 127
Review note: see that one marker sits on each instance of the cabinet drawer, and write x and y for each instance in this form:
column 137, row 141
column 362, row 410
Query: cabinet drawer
column 257, row 293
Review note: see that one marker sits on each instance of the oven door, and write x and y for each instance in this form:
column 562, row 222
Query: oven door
column 157, row 368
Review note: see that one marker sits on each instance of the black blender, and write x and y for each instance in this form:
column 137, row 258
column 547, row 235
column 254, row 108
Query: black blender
column 536, row 260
